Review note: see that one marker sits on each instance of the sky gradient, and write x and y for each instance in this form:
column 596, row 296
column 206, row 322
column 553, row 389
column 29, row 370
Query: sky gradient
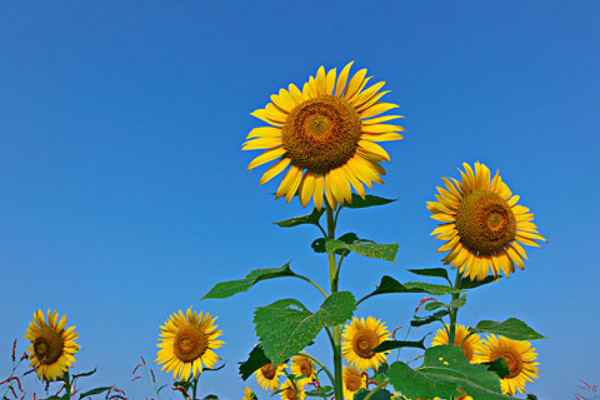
column 124, row 193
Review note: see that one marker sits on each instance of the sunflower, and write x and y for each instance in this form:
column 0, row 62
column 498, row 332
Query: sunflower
column 268, row 375
column 326, row 134
column 249, row 394
column 482, row 223
column 360, row 338
column 302, row 365
column 520, row 358
column 187, row 342
column 288, row 392
column 353, row 381
column 52, row 346
column 471, row 346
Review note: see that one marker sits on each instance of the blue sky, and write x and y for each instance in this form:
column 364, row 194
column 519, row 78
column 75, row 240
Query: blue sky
column 124, row 195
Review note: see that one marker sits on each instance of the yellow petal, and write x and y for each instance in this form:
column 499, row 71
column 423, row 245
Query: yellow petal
column 330, row 81
column 354, row 181
column 274, row 170
column 369, row 103
column 355, row 83
column 382, row 137
column 373, row 151
column 296, row 93
column 318, row 192
column 342, row 79
column 320, row 81
column 306, row 188
column 376, row 109
column 354, row 98
column 381, row 128
column 264, row 131
column 266, row 117
column 262, row 143
column 381, row 119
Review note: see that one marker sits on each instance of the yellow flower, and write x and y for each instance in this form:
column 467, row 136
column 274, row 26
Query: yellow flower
column 472, row 346
column 52, row 346
column 360, row 338
column 288, row 392
column 302, row 365
column 186, row 343
column 520, row 358
column 268, row 375
column 326, row 134
column 483, row 225
column 249, row 394
column 353, row 381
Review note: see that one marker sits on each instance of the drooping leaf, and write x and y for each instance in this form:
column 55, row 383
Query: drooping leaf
column 372, row 250
column 381, row 394
column 312, row 218
column 511, row 328
column 318, row 245
column 458, row 303
column 368, row 201
column 286, row 326
column 398, row 344
column 323, row 391
column 436, row 316
column 92, row 392
column 211, row 397
column 256, row 359
column 444, row 371
column 226, row 289
column 468, row 283
column 499, row 367
column 437, row 272
column 391, row 285
column 85, row 373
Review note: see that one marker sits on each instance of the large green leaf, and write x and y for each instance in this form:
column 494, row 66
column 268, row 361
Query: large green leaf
column 437, row 272
column 468, row 283
column 223, row 290
column 368, row 201
column 391, row 285
column 445, row 370
column 436, row 316
column 312, row 218
column 319, row 245
column 458, row 303
column 94, row 391
column 512, row 328
column 286, row 326
column 498, row 366
column 398, row 344
column 381, row 394
column 256, row 359
column 372, row 250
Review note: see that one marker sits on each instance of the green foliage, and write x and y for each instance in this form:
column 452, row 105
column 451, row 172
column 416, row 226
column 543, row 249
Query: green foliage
column 92, row 392
column 468, row 283
column 436, row 316
column 369, row 201
column 381, row 394
column 226, row 289
column 444, row 371
column 436, row 272
column 499, row 367
column 511, row 328
column 323, row 391
column 256, row 359
column 312, row 218
column 92, row 372
column 287, row 326
column 398, row 344
column 391, row 285
column 458, row 303
column 319, row 245
column 372, row 250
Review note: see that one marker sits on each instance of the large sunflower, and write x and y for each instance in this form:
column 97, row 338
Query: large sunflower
column 353, row 381
column 472, row 346
column 288, row 392
column 302, row 365
column 325, row 134
column 268, row 375
column 482, row 223
column 520, row 358
column 360, row 338
column 187, row 342
column 52, row 346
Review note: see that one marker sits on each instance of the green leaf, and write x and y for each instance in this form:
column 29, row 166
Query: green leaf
column 286, row 326
column 468, row 283
column 318, row 245
column 391, row 285
column 84, row 373
column 95, row 391
column 381, row 394
column 398, row 344
column 437, row 272
column 445, row 370
column 211, row 397
column 382, row 373
column 368, row 201
column 256, row 359
column 312, row 218
column 499, row 367
column 226, row 289
column 436, row 316
column 511, row 328
column 372, row 250
column 324, row 391
column 458, row 303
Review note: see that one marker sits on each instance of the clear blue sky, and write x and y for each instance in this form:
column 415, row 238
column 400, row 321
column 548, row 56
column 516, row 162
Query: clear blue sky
column 124, row 194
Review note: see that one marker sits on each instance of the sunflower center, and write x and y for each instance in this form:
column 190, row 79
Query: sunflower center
column 513, row 360
column 353, row 383
column 189, row 345
column 306, row 369
column 321, row 134
column 485, row 222
column 48, row 346
column 468, row 349
column 364, row 342
column 290, row 393
column 269, row 371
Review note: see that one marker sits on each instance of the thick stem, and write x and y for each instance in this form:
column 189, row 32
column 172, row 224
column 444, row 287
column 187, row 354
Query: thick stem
column 194, row 387
column 454, row 311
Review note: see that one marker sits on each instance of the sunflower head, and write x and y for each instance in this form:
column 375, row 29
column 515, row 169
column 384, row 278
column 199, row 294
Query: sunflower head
column 268, row 376
column 359, row 340
column 302, row 365
column 482, row 224
column 353, row 381
column 249, row 394
column 289, row 392
column 520, row 358
column 52, row 346
column 187, row 342
column 472, row 346
column 326, row 135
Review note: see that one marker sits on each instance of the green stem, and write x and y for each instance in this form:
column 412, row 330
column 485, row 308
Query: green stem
column 454, row 311
column 372, row 392
column 320, row 364
column 194, row 387
column 304, row 278
column 67, row 381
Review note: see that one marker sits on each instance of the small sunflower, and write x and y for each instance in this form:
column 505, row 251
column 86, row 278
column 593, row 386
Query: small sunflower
column 249, row 394
column 360, row 338
column 482, row 223
column 268, row 375
column 353, row 381
column 187, row 342
column 302, row 365
column 520, row 358
column 52, row 346
column 288, row 392
column 472, row 346
column 326, row 134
